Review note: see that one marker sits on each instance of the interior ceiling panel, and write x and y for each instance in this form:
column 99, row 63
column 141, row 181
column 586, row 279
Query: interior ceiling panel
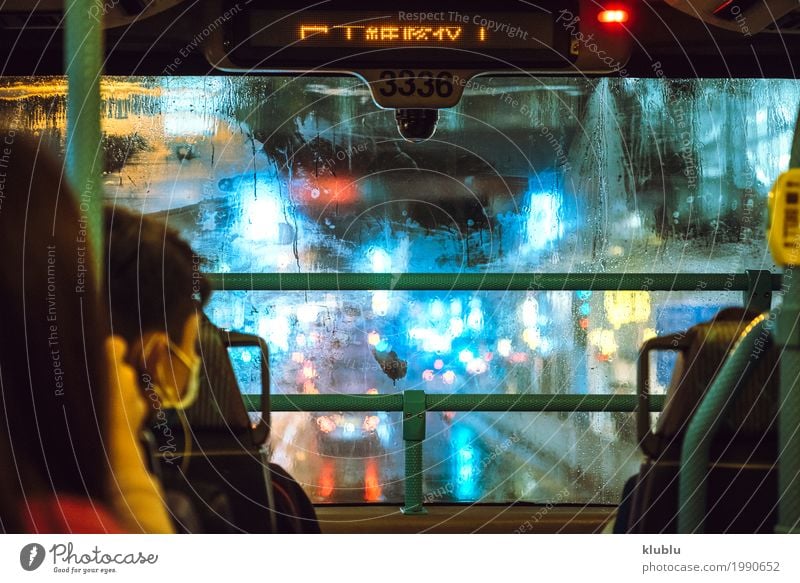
column 115, row 12
column 748, row 17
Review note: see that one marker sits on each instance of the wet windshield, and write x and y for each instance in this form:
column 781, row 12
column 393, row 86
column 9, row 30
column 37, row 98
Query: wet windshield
column 282, row 175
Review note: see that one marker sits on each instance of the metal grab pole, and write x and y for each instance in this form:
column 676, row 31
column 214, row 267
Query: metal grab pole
column 414, row 436
column 452, row 402
column 83, row 63
column 788, row 336
column 763, row 281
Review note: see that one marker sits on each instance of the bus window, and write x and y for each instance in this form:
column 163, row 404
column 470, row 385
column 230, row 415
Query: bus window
column 283, row 174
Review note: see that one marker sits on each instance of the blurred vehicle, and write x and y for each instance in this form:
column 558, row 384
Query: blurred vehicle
column 351, row 434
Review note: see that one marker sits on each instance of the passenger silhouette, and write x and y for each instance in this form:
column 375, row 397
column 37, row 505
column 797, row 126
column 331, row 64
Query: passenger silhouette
column 156, row 293
column 54, row 398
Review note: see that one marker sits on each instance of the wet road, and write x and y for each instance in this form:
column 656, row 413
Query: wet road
column 468, row 457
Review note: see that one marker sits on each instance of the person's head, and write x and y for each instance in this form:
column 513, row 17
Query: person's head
column 155, row 294
column 53, row 378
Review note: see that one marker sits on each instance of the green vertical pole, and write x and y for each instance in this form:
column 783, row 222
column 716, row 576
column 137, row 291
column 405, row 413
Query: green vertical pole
column 788, row 335
column 83, row 63
column 413, row 435
column 758, row 295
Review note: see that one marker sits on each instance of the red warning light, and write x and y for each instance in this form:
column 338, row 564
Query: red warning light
column 617, row 16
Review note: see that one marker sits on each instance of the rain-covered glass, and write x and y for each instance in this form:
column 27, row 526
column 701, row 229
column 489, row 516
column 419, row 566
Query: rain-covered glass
column 279, row 174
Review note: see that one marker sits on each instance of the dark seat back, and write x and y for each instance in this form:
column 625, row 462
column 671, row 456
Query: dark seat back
column 742, row 481
column 219, row 409
column 227, row 474
column 222, row 468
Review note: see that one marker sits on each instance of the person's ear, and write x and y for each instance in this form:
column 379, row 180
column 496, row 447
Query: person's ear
column 128, row 406
column 156, row 358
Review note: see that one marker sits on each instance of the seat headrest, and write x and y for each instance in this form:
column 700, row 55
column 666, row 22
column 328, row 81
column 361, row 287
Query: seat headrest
column 219, row 405
column 753, row 411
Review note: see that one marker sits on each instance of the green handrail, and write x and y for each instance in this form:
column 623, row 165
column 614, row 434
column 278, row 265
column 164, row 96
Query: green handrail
column 704, row 424
column 485, row 281
column 83, row 63
column 473, row 402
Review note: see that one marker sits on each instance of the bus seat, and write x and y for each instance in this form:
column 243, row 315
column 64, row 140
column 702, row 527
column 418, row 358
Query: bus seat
column 225, row 470
column 213, row 454
column 294, row 512
column 742, row 481
column 219, row 408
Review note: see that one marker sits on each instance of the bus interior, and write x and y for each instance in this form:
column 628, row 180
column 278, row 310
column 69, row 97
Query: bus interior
column 455, row 249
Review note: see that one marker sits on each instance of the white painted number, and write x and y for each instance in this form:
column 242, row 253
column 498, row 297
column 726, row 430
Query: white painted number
column 420, row 83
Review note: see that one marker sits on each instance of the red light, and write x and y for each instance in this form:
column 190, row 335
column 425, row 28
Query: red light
column 325, row 190
column 584, row 323
column 372, row 487
column 326, row 479
column 613, row 16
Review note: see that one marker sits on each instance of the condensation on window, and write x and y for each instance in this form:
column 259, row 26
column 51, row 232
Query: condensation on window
column 282, row 175
column 569, row 175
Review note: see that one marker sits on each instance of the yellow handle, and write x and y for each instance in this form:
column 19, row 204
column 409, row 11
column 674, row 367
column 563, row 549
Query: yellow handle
column 783, row 234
